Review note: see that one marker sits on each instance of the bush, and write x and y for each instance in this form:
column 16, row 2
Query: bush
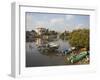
column 79, row 38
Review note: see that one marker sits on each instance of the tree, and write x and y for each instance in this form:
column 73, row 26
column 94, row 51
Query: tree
column 79, row 38
column 64, row 35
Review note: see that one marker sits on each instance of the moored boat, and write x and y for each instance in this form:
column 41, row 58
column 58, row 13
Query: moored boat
column 76, row 58
column 53, row 45
column 67, row 51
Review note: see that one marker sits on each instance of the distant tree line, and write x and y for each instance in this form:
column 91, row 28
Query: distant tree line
column 64, row 35
column 32, row 35
column 50, row 32
column 78, row 38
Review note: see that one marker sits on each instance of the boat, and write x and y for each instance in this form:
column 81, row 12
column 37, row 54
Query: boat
column 49, row 47
column 53, row 45
column 76, row 58
column 65, row 52
column 73, row 48
column 68, row 51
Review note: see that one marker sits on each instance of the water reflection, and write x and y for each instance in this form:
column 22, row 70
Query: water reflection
column 46, row 52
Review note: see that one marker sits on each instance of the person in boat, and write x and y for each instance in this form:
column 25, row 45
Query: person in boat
column 65, row 51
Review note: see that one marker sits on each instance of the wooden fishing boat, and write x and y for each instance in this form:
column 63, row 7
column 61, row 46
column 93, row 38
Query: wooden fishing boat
column 77, row 58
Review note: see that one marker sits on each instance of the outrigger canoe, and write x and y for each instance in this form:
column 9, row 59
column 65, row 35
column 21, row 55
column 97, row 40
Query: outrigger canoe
column 77, row 58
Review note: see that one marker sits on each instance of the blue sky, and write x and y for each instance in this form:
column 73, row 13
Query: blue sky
column 58, row 22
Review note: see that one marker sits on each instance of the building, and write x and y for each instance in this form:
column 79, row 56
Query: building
column 41, row 30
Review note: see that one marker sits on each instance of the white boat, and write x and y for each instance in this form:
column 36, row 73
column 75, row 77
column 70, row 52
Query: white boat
column 53, row 45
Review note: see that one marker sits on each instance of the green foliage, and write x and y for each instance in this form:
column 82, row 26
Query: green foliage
column 79, row 38
column 64, row 35
column 30, row 35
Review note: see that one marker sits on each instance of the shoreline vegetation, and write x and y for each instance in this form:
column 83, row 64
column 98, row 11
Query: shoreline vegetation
column 78, row 38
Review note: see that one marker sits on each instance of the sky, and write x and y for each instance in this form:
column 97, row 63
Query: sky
column 56, row 21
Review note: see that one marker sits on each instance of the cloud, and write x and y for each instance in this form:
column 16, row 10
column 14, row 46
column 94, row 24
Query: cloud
column 81, row 26
column 69, row 27
column 57, row 21
column 69, row 17
column 29, row 21
column 40, row 24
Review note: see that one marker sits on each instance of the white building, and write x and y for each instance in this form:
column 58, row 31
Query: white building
column 40, row 30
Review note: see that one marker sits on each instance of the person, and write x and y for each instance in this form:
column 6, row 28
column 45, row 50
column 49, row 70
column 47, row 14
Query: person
column 65, row 52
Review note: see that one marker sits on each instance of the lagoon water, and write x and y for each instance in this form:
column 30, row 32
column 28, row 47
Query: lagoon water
column 36, row 58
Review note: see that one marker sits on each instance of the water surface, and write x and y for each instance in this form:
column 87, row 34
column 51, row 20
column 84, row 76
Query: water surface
column 34, row 57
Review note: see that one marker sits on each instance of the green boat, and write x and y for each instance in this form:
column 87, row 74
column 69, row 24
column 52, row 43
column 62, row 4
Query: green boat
column 77, row 58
